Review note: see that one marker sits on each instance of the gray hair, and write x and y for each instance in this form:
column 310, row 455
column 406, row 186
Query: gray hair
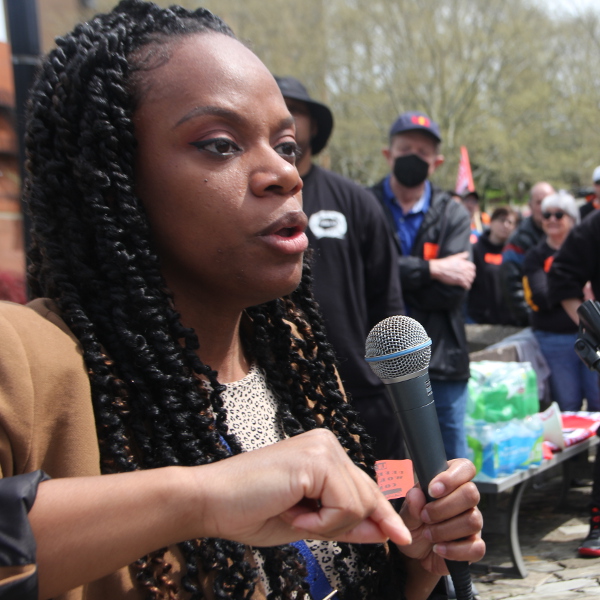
column 563, row 201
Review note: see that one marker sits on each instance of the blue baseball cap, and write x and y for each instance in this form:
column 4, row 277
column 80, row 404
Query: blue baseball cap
column 415, row 121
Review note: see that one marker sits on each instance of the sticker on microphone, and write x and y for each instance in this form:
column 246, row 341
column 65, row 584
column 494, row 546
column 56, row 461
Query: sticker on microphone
column 394, row 477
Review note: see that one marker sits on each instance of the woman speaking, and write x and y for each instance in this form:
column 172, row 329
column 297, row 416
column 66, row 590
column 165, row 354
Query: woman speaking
column 171, row 375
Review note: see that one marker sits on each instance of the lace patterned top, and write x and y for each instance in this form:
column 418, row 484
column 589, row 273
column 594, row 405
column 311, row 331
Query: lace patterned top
column 252, row 417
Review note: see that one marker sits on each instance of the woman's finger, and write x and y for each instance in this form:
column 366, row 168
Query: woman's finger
column 463, row 525
column 458, row 501
column 459, row 471
column 411, row 510
column 471, row 549
column 361, row 509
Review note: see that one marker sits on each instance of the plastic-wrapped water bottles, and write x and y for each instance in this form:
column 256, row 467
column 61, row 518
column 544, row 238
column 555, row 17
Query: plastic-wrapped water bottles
column 507, row 438
column 504, row 430
column 499, row 449
column 480, row 441
column 500, row 391
column 536, row 429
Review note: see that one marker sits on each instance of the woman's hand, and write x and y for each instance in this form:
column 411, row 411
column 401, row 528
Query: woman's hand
column 302, row 487
column 448, row 527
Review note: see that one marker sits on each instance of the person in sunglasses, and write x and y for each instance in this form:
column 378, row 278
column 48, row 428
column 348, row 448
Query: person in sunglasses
column 555, row 331
column 578, row 262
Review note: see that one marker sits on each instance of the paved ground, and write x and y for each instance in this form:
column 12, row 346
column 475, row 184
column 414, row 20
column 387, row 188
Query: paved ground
column 549, row 538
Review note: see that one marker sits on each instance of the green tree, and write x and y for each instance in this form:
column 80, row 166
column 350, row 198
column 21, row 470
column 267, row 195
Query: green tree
column 507, row 78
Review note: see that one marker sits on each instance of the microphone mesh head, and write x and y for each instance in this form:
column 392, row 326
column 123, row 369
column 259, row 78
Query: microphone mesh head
column 397, row 334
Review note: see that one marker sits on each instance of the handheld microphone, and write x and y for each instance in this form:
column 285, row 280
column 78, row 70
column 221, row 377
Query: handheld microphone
column 398, row 351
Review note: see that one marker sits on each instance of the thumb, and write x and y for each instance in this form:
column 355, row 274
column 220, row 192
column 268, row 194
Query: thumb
column 411, row 508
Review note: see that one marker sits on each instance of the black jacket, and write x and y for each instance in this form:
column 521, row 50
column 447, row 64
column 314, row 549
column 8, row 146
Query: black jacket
column 437, row 306
column 547, row 315
column 354, row 271
column 485, row 304
column 357, row 285
column 17, row 544
column 577, row 262
column 527, row 235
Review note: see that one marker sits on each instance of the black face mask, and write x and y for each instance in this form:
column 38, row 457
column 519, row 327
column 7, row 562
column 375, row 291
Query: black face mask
column 410, row 170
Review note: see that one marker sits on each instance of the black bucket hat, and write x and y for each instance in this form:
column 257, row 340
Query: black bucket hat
column 293, row 89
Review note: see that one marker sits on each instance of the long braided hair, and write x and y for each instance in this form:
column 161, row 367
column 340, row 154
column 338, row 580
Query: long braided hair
column 92, row 253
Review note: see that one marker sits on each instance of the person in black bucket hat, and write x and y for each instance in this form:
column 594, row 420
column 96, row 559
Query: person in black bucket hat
column 356, row 280
column 323, row 119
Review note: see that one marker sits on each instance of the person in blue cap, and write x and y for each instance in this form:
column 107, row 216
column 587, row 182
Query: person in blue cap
column 432, row 233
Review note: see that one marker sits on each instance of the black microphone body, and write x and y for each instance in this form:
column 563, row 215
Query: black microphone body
column 398, row 351
column 412, row 401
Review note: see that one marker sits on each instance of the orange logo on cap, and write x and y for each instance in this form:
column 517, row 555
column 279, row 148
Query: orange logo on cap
column 420, row 120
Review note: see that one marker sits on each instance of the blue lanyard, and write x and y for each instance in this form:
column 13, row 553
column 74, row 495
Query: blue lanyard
column 320, row 588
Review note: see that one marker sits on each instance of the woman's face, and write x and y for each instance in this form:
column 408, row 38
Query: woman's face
column 215, row 172
column 502, row 227
column 556, row 223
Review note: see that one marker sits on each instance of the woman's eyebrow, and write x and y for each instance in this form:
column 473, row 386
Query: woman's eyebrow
column 225, row 113
column 217, row 111
column 287, row 122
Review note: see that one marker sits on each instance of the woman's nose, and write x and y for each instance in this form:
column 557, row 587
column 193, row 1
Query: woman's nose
column 274, row 174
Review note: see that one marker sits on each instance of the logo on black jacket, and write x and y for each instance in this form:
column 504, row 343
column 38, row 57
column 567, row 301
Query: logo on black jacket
column 328, row 223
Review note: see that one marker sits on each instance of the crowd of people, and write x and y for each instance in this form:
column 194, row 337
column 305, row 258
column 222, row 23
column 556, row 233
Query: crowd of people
column 457, row 265
column 538, row 276
column 172, row 419
column 201, row 294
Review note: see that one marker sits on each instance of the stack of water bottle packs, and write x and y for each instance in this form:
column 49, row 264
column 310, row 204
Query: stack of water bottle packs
column 504, row 429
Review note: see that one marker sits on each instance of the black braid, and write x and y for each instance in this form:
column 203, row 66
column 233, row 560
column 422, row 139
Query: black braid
column 92, row 253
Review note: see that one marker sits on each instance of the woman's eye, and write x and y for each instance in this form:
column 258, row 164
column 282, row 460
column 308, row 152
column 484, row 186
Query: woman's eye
column 289, row 150
column 218, row 146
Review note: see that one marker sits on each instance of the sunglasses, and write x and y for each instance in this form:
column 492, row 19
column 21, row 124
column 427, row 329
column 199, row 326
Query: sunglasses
column 559, row 214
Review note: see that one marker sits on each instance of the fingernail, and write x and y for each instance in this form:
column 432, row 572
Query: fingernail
column 440, row 549
column 437, row 489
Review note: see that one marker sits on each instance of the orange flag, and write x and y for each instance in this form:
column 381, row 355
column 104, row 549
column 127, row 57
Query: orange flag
column 464, row 179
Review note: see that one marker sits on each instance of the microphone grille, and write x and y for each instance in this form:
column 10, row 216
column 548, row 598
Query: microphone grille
column 393, row 335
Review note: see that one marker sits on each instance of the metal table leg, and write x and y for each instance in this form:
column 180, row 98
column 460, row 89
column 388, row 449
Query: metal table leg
column 513, row 535
column 505, row 522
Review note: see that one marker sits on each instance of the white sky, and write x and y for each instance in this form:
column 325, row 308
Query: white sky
column 3, row 37
column 570, row 6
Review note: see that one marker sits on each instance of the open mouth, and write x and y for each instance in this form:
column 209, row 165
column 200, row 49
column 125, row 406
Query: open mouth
column 287, row 232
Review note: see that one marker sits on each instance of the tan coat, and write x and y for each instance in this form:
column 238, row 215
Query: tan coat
column 47, row 420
